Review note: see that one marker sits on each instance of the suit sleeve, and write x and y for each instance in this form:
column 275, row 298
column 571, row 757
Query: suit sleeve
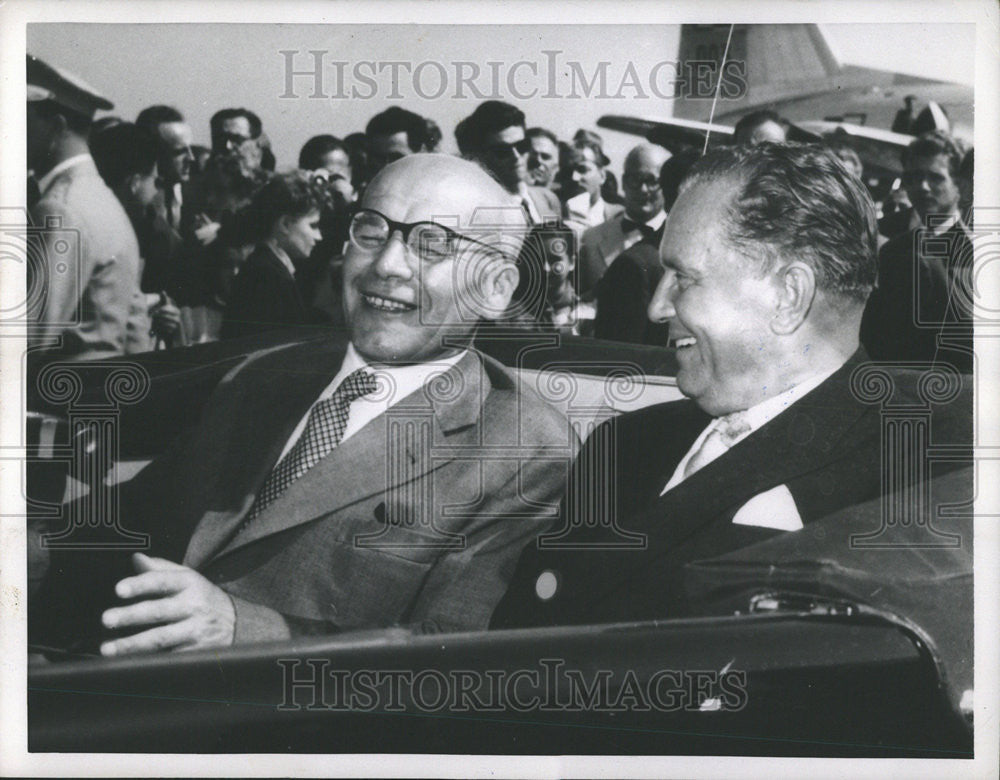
column 591, row 266
column 463, row 587
column 622, row 298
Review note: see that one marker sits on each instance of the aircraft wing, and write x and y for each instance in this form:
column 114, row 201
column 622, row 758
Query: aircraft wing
column 672, row 134
column 879, row 150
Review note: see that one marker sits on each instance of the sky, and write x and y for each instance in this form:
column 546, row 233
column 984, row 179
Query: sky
column 200, row 68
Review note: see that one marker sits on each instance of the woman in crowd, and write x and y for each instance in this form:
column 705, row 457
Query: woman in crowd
column 266, row 294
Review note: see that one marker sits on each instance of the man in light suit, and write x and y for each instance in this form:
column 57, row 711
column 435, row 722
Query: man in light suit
column 494, row 136
column 325, row 490
column 91, row 299
column 769, row 255
column 641, row 219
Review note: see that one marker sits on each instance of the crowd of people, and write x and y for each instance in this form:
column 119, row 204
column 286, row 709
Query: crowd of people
column 221, row 245
column 308, row 501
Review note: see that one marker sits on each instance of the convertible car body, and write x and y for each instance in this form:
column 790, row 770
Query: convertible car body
column 803, row 645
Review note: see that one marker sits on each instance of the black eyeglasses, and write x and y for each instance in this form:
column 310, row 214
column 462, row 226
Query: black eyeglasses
column 371, row 230
column 520, row 148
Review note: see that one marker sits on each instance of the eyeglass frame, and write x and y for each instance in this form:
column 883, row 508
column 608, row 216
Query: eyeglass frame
column 406, row 229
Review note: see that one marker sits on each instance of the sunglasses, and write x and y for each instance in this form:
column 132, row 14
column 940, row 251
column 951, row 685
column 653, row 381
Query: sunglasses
column 500, row 150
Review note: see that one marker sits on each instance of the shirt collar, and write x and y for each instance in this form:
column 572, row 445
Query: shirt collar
column 760, row 414
column 395, row 382
column 69, row 162
column 657, row 220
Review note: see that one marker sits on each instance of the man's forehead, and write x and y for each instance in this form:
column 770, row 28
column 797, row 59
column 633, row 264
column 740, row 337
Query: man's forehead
column 390, row 140
column 176, row 133
column 698, row 214
column 508, row 134
column 414, row 189
column 927, row 162
column 236, row 124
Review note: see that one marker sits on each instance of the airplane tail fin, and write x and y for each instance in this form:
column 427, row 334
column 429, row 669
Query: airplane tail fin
column 767, row 61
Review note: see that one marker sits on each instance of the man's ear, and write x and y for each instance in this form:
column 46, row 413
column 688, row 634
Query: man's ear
column 499, row 284
column 796, row 287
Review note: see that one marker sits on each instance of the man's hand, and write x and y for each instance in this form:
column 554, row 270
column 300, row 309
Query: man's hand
column 206, row 230
column 165, row 317
column 194, row 612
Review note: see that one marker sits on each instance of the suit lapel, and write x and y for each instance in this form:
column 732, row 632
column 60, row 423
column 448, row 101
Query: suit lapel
column 802, row 439
column 254, row 435
column 612, row 239
column 360, row 467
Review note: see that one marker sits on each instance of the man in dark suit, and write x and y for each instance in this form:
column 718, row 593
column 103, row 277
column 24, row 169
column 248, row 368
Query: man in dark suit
column 642, row 217
column 922, row 308
column 769, row 255
column 494, row 136
column 627, row 287
column 324, row 490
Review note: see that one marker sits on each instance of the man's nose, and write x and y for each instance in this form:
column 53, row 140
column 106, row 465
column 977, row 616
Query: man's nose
column 661, row 305
column 188, row 154
column 393, row 259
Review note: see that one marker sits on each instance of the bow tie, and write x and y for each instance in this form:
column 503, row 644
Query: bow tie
column 628, row 226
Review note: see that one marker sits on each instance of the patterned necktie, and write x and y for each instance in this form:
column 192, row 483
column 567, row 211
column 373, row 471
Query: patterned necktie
column 323, row 432
column 724, row 434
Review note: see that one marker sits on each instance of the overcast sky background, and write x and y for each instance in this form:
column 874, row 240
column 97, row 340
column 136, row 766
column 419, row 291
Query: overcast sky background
column 202, row 68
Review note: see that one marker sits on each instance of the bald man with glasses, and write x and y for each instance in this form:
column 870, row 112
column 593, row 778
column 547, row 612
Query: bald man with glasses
column 389, row 481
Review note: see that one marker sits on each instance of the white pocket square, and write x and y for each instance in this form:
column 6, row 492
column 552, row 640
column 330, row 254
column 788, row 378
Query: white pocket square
column 774, row 508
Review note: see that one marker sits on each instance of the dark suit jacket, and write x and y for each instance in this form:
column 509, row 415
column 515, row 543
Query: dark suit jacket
column 599, row 246
column 924, row 296
column 623, row 295
column 265, row 297
column 826, row 449
column 416, row 519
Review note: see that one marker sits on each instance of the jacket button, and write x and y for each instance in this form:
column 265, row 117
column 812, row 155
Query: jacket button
column 546, row 585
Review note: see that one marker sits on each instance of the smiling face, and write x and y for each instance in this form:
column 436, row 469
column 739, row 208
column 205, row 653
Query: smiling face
column 719, row 310
column 399, row 307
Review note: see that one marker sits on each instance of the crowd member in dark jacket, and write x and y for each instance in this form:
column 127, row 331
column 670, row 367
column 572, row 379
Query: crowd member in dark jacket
column 265, row 293
column 626, row 288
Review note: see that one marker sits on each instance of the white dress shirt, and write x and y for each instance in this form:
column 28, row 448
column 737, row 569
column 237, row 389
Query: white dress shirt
column 582, row 210
column 633, row 237
column 756, row 417
column 394, row 384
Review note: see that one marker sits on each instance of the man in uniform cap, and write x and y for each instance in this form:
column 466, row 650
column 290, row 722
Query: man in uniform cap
column 91, row 299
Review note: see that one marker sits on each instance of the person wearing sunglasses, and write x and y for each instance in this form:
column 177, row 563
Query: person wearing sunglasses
column 331, row 486
column 494, row 136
